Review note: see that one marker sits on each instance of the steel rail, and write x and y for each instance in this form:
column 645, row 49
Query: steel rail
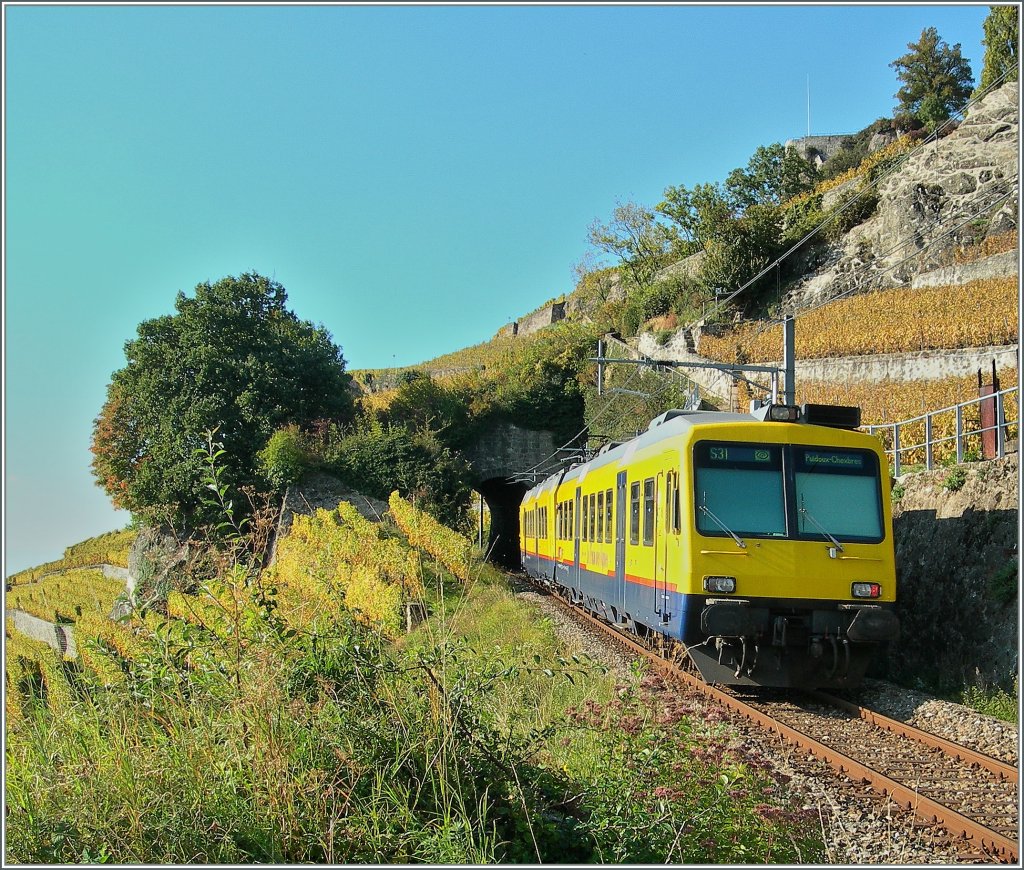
column 930, row 811
column 964, row 753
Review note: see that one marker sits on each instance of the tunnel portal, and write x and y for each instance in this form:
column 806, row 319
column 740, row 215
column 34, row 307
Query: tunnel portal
column 503, row 496
column 499, row 459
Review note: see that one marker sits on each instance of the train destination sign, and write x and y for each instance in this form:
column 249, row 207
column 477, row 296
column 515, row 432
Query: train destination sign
column 834, row 460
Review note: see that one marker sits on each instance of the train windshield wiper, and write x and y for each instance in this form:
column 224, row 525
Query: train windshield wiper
column 819, row 526
column 704, row 507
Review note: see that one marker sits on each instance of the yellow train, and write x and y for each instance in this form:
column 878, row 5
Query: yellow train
column 757, row 545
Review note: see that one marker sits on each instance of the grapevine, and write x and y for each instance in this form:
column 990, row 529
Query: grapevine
column 901, row 319
column 449, row 548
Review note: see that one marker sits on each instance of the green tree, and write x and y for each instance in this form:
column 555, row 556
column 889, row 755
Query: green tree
column 698, row 214
column 1000, row 41
column 636, row 238
column 232, row 358
column 771, row 176
column 744, row 249
column 937, row 80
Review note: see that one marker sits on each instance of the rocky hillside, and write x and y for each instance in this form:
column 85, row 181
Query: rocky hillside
column 949, row 193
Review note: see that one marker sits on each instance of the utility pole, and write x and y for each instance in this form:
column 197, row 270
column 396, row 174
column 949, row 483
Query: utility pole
column 789, row 359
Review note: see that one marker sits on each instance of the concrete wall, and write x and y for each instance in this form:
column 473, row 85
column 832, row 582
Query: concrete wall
column 60, row 637
column 1002, row 265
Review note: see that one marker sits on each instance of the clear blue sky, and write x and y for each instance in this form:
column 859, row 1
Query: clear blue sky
column 416, row 177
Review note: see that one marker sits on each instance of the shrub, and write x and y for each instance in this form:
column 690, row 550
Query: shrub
column 285, row 458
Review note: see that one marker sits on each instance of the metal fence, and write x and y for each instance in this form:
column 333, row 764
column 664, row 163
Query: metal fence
column 956, row 431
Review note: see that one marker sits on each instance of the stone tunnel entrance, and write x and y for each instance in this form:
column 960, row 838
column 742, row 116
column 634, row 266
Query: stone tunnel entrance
column 503, row 497
column 498, row 458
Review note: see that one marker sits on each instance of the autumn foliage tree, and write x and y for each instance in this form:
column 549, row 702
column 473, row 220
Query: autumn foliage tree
column 232, row 358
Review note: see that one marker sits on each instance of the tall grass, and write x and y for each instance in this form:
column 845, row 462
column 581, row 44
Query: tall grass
column 478, row 738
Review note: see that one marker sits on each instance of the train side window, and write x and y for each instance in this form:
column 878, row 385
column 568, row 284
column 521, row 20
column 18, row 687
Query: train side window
column 634, row 513
column 593, row 516
column 672, row 502
column 608, row 516
column 585, row 534
column 649, row 512
column 600, row 517
column 572, row 520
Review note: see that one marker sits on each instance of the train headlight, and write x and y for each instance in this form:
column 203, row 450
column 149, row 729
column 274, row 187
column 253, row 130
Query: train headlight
column 783, row 413
column 867, row 590
column 719, row 584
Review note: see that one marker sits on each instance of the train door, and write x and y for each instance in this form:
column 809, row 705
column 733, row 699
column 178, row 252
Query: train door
column 620, row 540
column 577, row 525
column 660, row 539
column 666, row 484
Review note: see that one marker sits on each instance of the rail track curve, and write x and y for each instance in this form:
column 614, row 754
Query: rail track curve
column 944, row 784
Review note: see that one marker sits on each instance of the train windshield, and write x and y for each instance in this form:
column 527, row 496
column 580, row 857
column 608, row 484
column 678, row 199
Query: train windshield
column 838, row 491
column 778, row 490
column 741, row 486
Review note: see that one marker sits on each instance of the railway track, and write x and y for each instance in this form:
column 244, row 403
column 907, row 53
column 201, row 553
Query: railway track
column 946, row 785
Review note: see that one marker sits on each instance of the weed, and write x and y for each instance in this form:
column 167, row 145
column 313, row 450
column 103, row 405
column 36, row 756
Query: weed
column 993, row 701
column 955, row 480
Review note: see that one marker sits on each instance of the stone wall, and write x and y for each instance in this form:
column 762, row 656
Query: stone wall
column 537, row 320
column 817, row 149
column 1004, row 265
column 508, row 449
column 958, row 591
column 916, row 365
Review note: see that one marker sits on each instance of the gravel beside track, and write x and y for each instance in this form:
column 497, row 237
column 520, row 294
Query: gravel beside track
column 859, row 827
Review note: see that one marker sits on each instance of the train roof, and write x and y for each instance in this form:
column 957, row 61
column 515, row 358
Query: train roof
column 672, row 423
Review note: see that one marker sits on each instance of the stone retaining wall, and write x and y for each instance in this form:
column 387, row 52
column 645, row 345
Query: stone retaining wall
column 956, row 564
column 1002, row 265
column 875, row 368
column 60, row 637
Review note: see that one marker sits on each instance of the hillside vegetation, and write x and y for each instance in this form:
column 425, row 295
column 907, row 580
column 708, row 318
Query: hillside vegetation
column 267, row 717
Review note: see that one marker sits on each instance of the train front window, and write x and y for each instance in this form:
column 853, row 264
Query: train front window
column 742, row 488
column 838, row 492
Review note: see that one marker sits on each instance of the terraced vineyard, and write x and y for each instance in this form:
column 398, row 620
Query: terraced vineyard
column 66, row 597
column 110, row 548
column 902, row 319
column 895, row 401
